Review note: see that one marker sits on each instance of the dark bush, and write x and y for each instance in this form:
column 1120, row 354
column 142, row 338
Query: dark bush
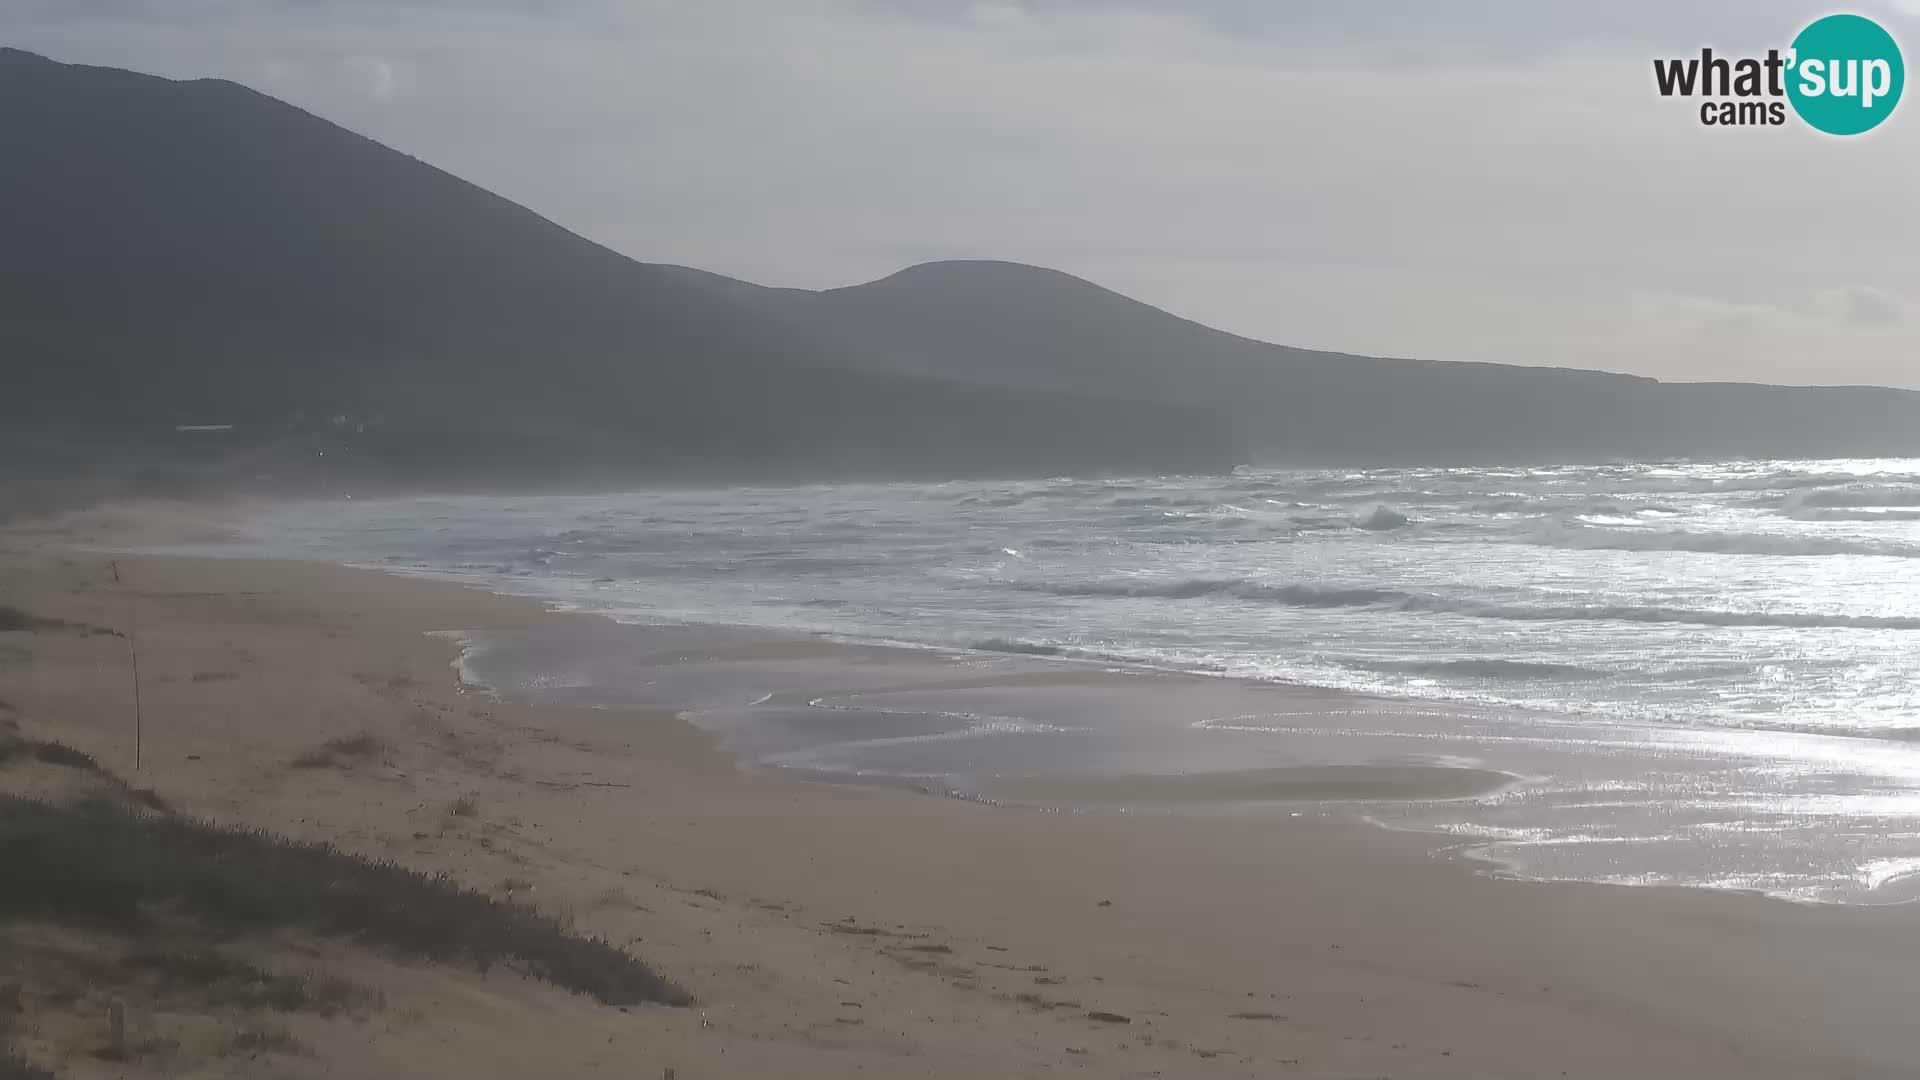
column 105, row 866
column 56, row 754
column 51, row 753
column 12, row 618
column 342, row 753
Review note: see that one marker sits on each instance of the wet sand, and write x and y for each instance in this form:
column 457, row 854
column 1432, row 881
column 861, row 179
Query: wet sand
column 1042, row 732
column 830, row 930
column 1304, row 783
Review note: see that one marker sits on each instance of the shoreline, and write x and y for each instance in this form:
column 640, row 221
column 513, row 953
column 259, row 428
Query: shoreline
column 1675, row 786
column 1381, row 957
column 920, row 667
column 1345, row 770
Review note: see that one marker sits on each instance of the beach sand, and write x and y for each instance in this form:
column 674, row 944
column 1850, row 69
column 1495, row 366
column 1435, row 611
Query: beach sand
column 831, row 931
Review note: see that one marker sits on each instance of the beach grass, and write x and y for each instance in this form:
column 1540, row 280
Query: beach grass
column 108, row 867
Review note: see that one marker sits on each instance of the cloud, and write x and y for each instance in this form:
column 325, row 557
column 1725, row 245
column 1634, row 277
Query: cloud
column 1701, row 314
column 1854, row 307
column 1862, row 307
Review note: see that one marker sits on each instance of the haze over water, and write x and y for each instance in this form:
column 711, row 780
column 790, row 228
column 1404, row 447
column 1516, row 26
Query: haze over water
column 1704, row 673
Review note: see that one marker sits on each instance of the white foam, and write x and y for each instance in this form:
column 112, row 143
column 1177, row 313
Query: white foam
column 462, row 662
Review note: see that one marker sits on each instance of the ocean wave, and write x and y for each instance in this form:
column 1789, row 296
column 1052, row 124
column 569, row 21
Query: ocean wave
column 1310, row 522
column 1241, row 588
column 1479, row 668
column 1146, row 658
column 1543, row 506
column 1321, row 596
column 1790, row 480
column 1014, row 645
column 1692, row 616
column 1381, row 519
column 1595, row 538
column 1859, row 495
column 1126, row 502
column 996, row 500
column 1825, row 513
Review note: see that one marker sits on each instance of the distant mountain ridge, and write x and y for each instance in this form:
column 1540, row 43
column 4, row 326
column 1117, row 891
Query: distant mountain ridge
column 195, row 252
column 1011, row 324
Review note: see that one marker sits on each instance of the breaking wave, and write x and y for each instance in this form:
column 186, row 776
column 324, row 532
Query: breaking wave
column 1595, row 538
column 1022, row 647
column 1859, row 495
column 1320, row 596
column 1380, row 519
column 1823, row 513
column 1014, row 645
column 1242, row 588
column 1479, row 668
column 1787, row 480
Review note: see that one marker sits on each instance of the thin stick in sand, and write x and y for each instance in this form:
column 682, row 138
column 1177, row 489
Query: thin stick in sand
column 134, row 651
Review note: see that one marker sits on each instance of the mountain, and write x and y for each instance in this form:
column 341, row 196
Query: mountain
column 184, row 253
column 1008, row 324
column 191, row 253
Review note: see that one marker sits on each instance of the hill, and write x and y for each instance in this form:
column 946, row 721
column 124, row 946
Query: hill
column 1009, row 324
column 183, row 253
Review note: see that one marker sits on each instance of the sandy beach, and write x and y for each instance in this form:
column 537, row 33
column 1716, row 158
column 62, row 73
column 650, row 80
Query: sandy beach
column 828, row 931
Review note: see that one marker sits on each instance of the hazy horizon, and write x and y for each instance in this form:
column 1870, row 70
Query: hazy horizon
column 1492, row 182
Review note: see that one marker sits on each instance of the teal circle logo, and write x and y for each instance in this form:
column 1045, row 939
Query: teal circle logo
column 1845, row 74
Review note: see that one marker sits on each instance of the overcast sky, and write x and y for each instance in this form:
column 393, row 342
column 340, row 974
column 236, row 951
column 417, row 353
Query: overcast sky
column 1462, row 181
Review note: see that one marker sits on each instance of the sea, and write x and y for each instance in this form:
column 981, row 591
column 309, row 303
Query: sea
column 1695, row 674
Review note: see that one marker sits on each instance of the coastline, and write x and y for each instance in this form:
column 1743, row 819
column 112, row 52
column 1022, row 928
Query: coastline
column 957, row 932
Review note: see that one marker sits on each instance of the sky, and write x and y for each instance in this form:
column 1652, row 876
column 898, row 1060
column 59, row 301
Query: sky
column 1487, row 180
